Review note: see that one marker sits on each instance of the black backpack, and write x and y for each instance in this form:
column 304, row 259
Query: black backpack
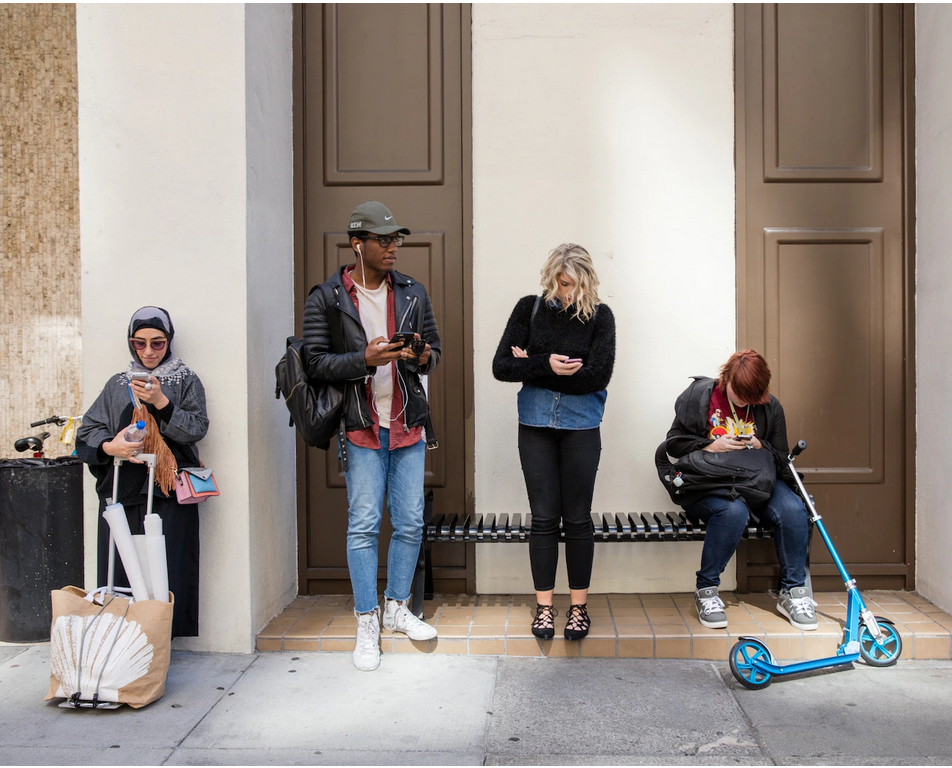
column 316, row 409
column 750, row 475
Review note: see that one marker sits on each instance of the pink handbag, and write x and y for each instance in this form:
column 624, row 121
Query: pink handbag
column 195, row 484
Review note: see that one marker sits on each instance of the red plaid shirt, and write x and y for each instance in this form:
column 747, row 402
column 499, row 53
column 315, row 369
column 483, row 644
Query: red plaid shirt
column 400, row 435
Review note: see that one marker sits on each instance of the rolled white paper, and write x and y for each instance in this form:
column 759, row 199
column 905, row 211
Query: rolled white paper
column 143, row 554
column 115, row 515
column 158, row 562
column 153, row 525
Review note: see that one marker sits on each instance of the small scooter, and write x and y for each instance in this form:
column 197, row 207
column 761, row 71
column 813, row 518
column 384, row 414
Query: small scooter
column 865, row 636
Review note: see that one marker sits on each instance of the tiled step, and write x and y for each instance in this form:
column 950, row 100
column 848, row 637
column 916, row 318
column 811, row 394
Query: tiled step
column 623, row 626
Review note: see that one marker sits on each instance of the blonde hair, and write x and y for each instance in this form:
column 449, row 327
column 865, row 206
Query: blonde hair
column 573, row 261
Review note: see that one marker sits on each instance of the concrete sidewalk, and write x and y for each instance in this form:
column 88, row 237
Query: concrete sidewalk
column 315, row 709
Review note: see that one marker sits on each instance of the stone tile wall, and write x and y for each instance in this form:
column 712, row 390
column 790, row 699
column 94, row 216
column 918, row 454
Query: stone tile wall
column 40, row 302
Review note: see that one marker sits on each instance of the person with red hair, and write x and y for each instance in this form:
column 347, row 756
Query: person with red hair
column 736, row 412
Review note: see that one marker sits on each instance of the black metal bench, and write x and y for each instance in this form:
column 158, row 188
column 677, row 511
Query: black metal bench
column 653, row 526
column 517, row 527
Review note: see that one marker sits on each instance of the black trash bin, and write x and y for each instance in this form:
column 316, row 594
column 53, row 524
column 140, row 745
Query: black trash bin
column 41, row 541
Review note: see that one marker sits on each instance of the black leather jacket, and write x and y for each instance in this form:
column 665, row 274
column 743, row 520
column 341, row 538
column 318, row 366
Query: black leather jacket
column 334, row 344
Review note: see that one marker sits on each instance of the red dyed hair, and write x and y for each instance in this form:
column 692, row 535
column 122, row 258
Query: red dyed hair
column 747, row 373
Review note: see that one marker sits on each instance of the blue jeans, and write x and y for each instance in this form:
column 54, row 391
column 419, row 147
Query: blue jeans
column 726, row 520
column 373, row 474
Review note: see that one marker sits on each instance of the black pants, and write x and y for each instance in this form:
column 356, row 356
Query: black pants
column 560, row 466
column 180, row 526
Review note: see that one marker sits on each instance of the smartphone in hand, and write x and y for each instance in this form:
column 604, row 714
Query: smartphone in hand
column 572, row 360
column 405, row 339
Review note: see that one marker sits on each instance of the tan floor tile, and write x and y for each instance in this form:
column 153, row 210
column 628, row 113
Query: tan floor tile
column 456, row 647
column 274, row 630
column 715, row 648
column 697, row 630
column 336, row 645
column 519, row 632
column 560, row 647
column 741, row 630
column 405, row 645
column 819, row 646
column 519, row 647
column 296, row 612
column 265, row 644
column 597, row 647
column 670, row 630
column 633, row 626
column 338, row 631
column 302, row 645
column 789, row 648
column 487, row 647
column 636, row 647
column 672, row 647
column 929, row 648
column 452, row 630
column 303, row 633
column 601, row 631
column 450, row 621
column 931, row 609
column 487, row 630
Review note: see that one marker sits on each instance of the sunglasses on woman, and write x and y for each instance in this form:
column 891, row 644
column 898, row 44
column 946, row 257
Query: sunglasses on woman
column 157, row 344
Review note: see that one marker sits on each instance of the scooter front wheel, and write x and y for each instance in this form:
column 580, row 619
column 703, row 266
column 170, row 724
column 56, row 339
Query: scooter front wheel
column 883, row 652
column 745, row 652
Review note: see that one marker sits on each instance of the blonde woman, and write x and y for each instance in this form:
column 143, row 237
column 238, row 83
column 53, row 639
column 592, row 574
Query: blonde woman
column 561, row 346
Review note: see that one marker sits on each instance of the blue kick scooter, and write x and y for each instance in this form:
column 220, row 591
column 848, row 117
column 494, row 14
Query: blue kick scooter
column 874, row 639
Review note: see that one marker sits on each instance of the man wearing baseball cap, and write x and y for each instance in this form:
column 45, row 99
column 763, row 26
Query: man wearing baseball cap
column 385, row 411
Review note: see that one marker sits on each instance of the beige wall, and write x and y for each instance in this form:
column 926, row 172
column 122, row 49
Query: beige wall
column 611, row 126
column 185, row 129
column 40, row 339
column 933, row 308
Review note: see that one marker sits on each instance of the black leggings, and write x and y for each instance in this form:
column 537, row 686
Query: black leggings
column 560, row 466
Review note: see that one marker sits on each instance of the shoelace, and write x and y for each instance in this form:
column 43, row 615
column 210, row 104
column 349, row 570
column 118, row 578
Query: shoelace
column 545, row 617
column 578, row 618
column 711, row 604
column 802, row 606
column 368, row 640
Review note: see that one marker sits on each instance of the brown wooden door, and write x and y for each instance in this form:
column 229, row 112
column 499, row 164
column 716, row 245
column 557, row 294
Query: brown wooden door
column 382, row 113
column 824, row 267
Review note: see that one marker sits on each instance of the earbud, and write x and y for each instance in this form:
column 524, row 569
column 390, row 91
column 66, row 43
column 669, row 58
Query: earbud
column 359, row 250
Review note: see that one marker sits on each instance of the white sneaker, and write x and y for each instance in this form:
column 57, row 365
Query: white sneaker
column 367, row 649
column 397, row 618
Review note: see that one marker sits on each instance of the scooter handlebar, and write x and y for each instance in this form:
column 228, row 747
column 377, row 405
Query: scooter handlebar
column 799, row 448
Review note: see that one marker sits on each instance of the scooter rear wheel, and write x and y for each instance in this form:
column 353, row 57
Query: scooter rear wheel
column 883, row 652
column 745, row 652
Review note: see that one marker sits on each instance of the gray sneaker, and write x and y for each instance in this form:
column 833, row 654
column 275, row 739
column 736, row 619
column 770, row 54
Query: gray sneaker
column 710, row 608
column 367, row 649
column 798, row 606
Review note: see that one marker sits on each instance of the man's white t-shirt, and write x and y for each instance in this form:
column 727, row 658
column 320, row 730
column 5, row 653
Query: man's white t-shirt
column 373, row 316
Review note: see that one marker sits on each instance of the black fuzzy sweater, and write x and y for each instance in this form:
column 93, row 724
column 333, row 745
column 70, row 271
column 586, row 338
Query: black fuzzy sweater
column 555, row 330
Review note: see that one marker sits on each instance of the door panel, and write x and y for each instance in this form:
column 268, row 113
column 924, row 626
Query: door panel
column 381, row 101
column 823, row 265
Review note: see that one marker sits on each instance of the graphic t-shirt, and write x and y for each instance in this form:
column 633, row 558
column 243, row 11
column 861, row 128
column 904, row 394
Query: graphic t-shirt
column 722, row 420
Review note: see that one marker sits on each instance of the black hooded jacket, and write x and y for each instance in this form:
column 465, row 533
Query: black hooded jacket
column 334, row 344
column 690, row 426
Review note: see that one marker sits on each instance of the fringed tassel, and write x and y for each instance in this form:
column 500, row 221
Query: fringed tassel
column 166, row 468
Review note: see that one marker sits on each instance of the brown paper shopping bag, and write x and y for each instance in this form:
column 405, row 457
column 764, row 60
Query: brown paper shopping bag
column 117, row 652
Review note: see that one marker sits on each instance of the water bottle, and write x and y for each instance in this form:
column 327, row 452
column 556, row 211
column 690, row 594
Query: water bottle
column 136, row 433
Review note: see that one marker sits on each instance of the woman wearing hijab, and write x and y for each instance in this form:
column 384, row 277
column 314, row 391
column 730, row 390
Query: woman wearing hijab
column 174, row 397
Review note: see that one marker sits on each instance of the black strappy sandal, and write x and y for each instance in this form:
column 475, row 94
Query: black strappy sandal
column 543, row 626
column 578, row 623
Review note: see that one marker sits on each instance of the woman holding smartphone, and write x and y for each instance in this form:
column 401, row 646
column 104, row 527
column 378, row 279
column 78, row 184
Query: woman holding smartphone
column 561, row 347
column 736, row 412
column 174, row 396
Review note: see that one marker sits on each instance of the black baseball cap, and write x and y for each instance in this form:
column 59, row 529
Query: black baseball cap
column 375, row 218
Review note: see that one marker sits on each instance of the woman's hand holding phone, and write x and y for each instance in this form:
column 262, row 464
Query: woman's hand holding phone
column 563, row 365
